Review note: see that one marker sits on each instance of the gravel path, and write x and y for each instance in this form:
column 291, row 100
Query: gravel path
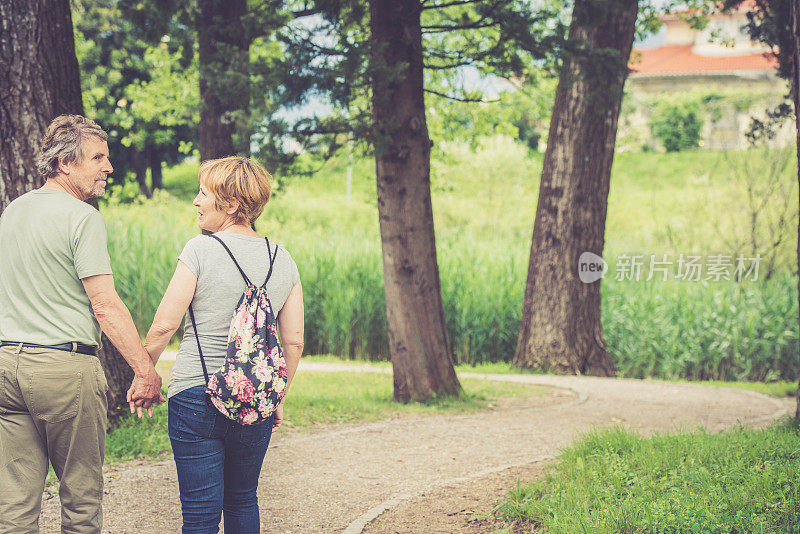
column 339, row 478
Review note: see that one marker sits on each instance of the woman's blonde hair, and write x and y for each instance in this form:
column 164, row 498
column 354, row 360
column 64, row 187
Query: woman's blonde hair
column 237, row 178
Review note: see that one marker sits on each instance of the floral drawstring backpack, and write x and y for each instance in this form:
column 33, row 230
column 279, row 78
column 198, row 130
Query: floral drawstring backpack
column 252, row 381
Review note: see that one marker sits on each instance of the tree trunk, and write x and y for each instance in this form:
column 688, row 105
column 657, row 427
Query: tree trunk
column 795, row 22
column 139, row 164
column 154, row 160
column 224, row 91
column 560, row 329
column 39, row 80
column 421, row 359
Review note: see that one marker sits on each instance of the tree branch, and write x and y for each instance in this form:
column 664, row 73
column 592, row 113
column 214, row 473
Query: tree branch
column 305, row 13
column 444, row 28
column 450, row 4
column 446, row 67
column 457, row 99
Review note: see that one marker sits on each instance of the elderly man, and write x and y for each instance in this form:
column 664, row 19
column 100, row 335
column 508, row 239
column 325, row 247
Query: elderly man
column 56, row 293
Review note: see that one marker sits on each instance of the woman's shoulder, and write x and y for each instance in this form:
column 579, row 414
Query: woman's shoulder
column 281, row 251
column 199, row 246
column 195, row 242
column 285, row 262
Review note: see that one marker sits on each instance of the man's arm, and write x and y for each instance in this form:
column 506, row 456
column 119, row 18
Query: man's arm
column 117, row 323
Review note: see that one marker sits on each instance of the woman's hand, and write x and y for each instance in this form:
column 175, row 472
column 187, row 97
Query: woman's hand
column 278, row 420
column 142, row 404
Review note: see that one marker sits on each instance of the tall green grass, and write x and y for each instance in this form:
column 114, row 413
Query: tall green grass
column 484, row 204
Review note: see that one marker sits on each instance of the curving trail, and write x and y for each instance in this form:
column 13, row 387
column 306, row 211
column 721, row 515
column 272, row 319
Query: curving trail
column 339, row 478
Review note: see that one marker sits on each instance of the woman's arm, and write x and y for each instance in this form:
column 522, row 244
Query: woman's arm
column 171, row 311
column 291, row 329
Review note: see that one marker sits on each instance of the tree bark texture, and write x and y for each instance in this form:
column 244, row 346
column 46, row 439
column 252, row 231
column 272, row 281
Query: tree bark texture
column 224, row 91
column 560, row 329
column 421, row 359
column 795, row 22
column 39, row 80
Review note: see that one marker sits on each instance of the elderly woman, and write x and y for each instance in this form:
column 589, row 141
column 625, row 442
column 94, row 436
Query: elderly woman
column 218, row 459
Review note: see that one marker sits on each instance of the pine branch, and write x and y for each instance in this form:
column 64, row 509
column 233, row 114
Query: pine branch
column 306, row 42
column 490, row 14
column 457, row 99
column 306, row 12
column 450, row 4
column 444, row 28
column 446, row 67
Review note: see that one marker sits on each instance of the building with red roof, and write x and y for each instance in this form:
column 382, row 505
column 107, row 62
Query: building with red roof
column 681, row 60
column 721, row 49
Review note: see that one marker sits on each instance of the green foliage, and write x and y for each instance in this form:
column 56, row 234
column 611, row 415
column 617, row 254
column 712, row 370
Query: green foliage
column 615, row 481
column 709, row 104
column 330, row 66
column 141, row 88
column 769, row 22
column 522, row 112
column 676, row 125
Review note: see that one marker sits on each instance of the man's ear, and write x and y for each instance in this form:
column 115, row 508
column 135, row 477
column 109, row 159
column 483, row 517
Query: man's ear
column 62, row 166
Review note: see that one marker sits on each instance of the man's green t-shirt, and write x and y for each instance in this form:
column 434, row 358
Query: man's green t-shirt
column 49, row 240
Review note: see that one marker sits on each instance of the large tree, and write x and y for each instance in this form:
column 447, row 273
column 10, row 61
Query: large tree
column 561, row 329
column 376, row 66
column 39, row 80
column 421, row 359
column 224, row 90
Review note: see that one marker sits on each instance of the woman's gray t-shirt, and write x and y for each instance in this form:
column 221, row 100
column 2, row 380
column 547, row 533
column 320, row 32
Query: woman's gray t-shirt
column 219, row 288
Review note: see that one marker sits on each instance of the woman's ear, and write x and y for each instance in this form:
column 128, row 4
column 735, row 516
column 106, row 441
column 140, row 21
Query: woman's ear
column 233, row 206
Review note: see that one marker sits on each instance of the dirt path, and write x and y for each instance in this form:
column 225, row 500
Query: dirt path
column 407, row 475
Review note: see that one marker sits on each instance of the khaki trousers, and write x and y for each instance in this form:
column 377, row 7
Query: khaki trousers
column 52, row 408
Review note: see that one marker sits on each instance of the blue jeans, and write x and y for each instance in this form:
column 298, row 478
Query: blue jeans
column 218, row 463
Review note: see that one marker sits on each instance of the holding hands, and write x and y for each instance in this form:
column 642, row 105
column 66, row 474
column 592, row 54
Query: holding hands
column 145, row 390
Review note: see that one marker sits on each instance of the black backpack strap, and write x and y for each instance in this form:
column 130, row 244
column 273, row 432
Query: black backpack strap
column 199, row 350
column 271, row 260
column 246, row 280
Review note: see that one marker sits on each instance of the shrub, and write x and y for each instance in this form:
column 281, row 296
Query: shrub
column 677, row 126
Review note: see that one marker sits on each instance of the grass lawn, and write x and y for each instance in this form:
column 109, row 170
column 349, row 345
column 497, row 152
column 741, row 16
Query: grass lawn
column 613, row 480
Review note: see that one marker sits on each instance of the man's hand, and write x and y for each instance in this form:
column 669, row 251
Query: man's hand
column 278, row 420
column 144, row 391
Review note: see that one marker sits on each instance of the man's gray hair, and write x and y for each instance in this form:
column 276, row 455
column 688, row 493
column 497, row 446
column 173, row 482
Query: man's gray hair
column 64, row 141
